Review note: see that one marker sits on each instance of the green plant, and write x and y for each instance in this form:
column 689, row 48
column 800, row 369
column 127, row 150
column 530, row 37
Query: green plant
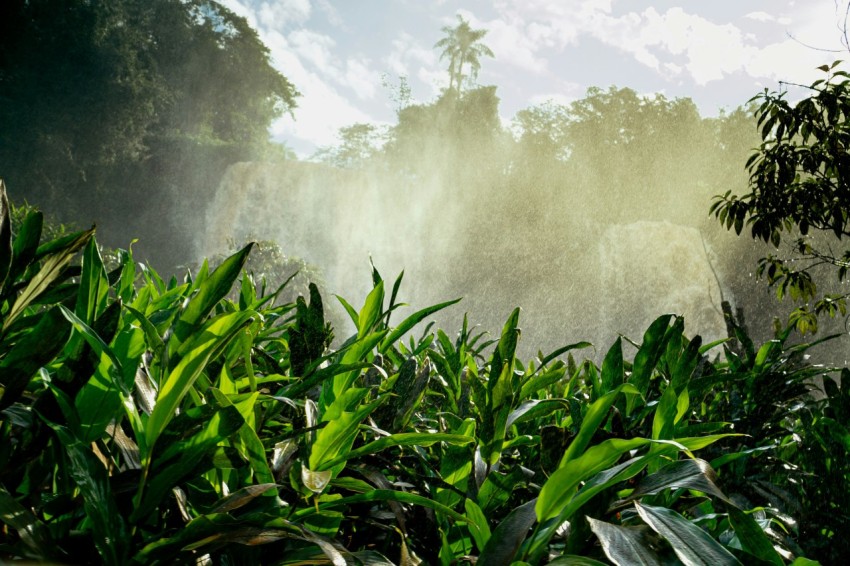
column 149, row 421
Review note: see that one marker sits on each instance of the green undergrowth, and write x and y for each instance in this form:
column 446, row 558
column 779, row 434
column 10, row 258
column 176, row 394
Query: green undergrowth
column 146, row 421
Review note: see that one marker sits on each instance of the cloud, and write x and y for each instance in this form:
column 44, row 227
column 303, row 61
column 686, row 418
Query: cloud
column 360, row 78
column 760, row 17
column 280, row 13
column 313, row 48
column 676, row 43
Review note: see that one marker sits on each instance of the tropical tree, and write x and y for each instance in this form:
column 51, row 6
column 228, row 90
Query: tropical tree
column 137, row 100
column 463, row 48
column 800, row 186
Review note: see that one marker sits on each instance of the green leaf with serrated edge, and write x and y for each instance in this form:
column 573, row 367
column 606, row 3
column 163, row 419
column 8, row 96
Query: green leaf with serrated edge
column 626, row 545
column 51, row 269
column 204, row 345
column 411, row 321
column 507, row 537
column 692, row 545
column 209, row 293
column 477, row 525
column 401, row 439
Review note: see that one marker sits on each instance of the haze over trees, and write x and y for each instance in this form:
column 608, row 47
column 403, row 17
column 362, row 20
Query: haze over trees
column 210, row 417
column 145, row 102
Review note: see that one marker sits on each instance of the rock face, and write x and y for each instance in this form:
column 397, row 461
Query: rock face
column 651, row 268
column 575, row 281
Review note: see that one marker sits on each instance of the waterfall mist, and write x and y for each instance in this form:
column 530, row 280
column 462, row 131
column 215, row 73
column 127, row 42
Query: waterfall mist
column 593, row 218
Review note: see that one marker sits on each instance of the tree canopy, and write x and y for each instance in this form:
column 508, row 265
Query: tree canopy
column 800, row 187
column 127, row 98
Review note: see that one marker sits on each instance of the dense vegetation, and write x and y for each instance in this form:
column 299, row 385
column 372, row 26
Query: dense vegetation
column 227, row 416
column 154, row 422
column 144, row 102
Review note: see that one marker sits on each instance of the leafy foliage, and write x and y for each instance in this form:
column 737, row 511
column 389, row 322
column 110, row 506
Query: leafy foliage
column 148, row 421
column 127, row 100
column 799, row 183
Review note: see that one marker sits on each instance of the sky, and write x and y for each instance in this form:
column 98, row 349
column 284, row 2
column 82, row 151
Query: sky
column 346, row 56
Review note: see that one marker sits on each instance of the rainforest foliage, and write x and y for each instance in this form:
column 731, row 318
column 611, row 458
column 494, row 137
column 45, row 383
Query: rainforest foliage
column 153, row 421
column 222, row 416
column 137, row 101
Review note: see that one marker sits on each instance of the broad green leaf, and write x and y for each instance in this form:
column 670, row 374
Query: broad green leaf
column 35, row 349
column 382, row 495
column 100, row 401
column 5, row 234
column 562, row 485
column 25, row 245
column 626, row 546
column 210, row 292
column 507, row 537
column 205, row 344
column 241, row 497
column 371, row 311
column 692, row 545
column 613, row 372
column 563, row 350
column 535, row 409
column 94, row 285
column 401, row 439
column 595, row 416
column 33, row 532
column 352, row 312
column 477, row 525
column 184, row 457
column 51, row 269
column 109, row 529
column 542, row 381
column 648, row 355
column 411, row 321
column 665, row 415
column 692, row 473
column 752, row 537
column 337, row 437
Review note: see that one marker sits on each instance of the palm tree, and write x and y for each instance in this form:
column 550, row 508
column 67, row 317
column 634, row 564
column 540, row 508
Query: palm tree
column 462, row 47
